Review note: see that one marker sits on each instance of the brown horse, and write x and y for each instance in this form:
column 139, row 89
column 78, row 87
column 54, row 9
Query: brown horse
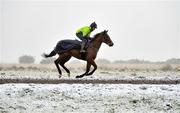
column 91, row 54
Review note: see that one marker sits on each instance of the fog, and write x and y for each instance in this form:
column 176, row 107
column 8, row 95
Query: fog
column 148, row 30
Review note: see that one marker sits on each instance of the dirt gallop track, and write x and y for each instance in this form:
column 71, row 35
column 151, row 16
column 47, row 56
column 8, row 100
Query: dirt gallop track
column 87, row 81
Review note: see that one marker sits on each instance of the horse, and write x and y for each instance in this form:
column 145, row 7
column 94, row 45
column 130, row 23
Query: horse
column 91, row 53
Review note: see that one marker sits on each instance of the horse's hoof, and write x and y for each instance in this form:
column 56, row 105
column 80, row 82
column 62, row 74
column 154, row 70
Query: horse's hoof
column 79, row 76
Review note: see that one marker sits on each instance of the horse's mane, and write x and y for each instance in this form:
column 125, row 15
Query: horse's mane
column 95, row 36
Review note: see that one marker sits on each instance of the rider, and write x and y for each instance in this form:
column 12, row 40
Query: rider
column 84, row 34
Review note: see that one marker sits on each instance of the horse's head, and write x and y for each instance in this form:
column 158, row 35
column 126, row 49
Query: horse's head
column 106, row 39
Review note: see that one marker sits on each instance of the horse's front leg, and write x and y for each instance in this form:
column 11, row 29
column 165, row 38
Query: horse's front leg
column 95, row 67
column 87, row 70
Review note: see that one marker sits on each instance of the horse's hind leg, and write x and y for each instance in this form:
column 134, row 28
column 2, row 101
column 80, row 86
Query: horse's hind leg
column 63, row 61
column 56, row 63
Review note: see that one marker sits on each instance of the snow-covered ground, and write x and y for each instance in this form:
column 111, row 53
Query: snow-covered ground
column 89, row 98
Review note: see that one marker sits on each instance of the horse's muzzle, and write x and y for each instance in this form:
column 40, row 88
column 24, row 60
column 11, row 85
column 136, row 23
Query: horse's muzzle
column 111, row 44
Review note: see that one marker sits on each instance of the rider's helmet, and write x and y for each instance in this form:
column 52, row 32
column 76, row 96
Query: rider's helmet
column 93, row 25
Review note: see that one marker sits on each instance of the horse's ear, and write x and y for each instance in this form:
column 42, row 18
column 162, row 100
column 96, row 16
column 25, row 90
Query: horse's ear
column 105, row 31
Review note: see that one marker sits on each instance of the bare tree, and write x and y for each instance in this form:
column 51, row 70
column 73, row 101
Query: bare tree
column 26, row 59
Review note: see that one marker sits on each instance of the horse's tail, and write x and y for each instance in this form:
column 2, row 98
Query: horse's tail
column 53, row 53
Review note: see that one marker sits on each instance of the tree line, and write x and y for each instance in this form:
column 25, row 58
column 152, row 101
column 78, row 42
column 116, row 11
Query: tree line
column 28, row 59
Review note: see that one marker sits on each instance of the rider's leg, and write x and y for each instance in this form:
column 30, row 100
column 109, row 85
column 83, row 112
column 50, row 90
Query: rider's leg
column 84, row 41
column 83, row 46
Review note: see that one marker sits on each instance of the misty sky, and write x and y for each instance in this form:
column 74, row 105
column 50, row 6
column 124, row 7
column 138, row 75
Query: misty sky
column 148, row 30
